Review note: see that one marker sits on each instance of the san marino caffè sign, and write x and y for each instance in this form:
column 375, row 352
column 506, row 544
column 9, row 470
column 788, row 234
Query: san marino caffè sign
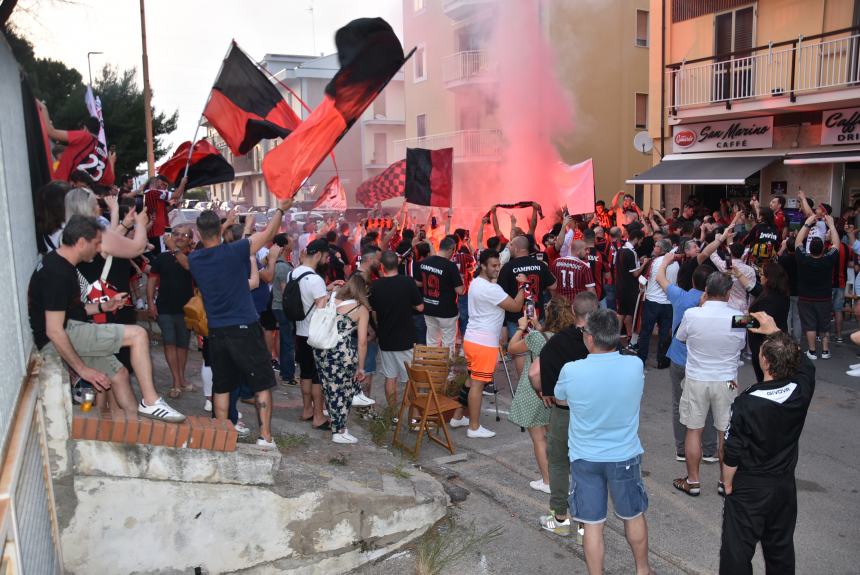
column 840, row 126
column 739, row 134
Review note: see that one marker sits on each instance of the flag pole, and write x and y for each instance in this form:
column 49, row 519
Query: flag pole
column 200, row 120
column 147, row 96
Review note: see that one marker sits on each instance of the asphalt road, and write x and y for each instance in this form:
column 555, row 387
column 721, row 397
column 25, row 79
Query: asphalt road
column 684, row 532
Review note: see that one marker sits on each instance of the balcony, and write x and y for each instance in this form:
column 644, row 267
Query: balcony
column 791, row 75
column 461, row 9
column 466, row 67
column 468, row 145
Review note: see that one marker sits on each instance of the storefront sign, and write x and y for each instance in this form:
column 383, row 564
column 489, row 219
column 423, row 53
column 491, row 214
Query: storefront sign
column 740, row 134
column 840, row 126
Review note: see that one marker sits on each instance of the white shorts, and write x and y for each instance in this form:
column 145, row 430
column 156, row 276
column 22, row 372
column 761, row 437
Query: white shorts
column 391, row 364
column 698, row 396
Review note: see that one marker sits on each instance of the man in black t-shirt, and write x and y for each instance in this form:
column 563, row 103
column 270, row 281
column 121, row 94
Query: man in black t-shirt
column 393, row 297
column 175, row 288
column 440, row 283
column 567, row 345
column 815, row 284
column 539, row 280
column 627, row 272
column 58, row 318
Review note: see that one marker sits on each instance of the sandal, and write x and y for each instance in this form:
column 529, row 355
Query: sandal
column 174, row 393
column 189, row 387
column 691, row 489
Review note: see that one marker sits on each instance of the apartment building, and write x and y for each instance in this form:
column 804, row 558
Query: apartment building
column 755, row 98
column 601, row 60
column 366, row 150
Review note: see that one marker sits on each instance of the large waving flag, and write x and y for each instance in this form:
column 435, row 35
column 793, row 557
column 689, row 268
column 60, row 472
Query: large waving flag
column 389, row 184
column 206, row 165
column 576, row 185
column 333, row 196
column 429, row 177
column 369, row 54
column 245, row 107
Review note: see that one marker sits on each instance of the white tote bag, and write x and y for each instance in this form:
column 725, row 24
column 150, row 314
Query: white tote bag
column 322, row 332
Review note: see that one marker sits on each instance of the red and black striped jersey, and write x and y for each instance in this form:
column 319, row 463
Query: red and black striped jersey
column 572, row 276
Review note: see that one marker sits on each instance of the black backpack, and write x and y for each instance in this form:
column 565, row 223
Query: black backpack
column 292, row 299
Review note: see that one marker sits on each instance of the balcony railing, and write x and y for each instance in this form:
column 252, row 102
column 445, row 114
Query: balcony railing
column 464, row 66
column 467, row 144
column 783, row 69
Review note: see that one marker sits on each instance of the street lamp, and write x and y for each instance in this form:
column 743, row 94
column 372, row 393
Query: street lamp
column 90, row 66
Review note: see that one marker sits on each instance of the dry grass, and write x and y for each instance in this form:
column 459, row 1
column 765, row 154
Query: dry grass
column 445, row 544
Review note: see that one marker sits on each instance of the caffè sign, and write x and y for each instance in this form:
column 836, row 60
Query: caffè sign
column 725, row 135
column 840, row 126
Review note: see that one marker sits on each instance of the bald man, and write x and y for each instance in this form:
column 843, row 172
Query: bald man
column 539, row 279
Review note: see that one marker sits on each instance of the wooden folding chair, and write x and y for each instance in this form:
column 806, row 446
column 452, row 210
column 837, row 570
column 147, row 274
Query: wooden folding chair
column 422, row 398
column 437, row 361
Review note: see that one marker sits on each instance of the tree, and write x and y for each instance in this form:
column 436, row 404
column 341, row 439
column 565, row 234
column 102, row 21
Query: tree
column 62, row 89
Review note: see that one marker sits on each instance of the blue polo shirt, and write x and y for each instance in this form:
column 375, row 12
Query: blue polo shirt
column 681, row 301
column 604, row 392
column 221, row 273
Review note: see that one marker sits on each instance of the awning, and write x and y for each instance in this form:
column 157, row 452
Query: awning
column 823, row 158
column 714, row 171
column 237, row 188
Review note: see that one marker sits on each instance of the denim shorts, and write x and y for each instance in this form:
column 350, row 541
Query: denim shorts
column 173, row 330
column 592, row 482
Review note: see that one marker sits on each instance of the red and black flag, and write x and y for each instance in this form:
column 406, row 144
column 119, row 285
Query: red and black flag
column 369, row 54
column 333, row 196
column 389, row 184
column 429, row 177
column 245, row 107
column 205, row 167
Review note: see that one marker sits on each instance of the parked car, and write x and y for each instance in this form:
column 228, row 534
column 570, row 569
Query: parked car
column 190, row 203
column 204, row 205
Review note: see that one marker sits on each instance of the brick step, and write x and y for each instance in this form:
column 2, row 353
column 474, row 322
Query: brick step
column 194, row 433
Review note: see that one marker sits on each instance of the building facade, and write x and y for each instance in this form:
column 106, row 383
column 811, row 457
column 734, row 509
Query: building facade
column 755, row 98
column 452, row 78
column 366, row 150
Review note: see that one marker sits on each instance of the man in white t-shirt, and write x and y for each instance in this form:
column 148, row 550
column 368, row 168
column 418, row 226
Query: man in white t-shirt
column 657, row 310
column 314, row 293
column 488, row 303
column 304, row 239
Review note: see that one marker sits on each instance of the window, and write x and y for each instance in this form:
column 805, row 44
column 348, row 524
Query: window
column 380, row 148
column 642, row 28
column 421, row 125
column 734, row 33
column 418, row 5
column 379, row 107
column 420, row 65
column 642, row 111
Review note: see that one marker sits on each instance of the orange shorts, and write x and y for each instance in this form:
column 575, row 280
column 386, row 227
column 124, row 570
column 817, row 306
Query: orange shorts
column 481, row 361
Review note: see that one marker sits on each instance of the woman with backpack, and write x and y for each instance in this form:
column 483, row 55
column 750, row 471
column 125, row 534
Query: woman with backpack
column 341, row 368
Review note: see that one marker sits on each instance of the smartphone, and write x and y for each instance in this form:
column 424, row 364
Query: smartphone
column 242, row 218
column 138, row 204
column 539, row 256
column 744, row 322
column 529, row 309
column 168, row 230
column 729, row 263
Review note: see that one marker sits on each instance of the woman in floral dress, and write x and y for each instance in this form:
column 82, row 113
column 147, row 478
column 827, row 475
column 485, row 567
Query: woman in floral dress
column 341, row 368
column 528, row 409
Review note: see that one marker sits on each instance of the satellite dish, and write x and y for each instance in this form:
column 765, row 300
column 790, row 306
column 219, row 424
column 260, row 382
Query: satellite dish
column 643, row 142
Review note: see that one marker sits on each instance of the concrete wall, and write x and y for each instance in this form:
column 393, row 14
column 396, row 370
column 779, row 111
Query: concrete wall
column 17, row 240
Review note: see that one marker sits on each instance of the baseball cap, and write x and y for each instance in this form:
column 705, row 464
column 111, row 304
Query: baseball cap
column 316, row 246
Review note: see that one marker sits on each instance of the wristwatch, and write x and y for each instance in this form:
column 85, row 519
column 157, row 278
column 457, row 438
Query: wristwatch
column 280, row 210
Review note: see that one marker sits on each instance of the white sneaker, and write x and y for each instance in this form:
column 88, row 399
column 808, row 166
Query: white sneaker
column 325, row 412
column 462, row 422
column 853, row 372
column 160, row 410
column 242, row 429
column 539, row 485
column 854, row 366
column 480, row 433
column 550, row 523
column 208, row 405
column 343, row 438
column 267, row 444
column 825, row 354
column 811, row 355
column 361, row 400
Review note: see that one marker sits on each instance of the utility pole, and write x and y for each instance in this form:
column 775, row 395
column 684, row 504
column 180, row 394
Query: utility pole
column 147, row 97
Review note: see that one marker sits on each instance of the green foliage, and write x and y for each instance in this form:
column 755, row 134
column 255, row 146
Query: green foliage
column 62, row 89
column 197, row 194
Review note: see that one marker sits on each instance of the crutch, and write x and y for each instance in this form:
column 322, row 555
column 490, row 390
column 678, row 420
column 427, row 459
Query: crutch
column 510, row 385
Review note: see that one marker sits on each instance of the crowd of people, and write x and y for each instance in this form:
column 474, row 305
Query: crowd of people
column 575, row 313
